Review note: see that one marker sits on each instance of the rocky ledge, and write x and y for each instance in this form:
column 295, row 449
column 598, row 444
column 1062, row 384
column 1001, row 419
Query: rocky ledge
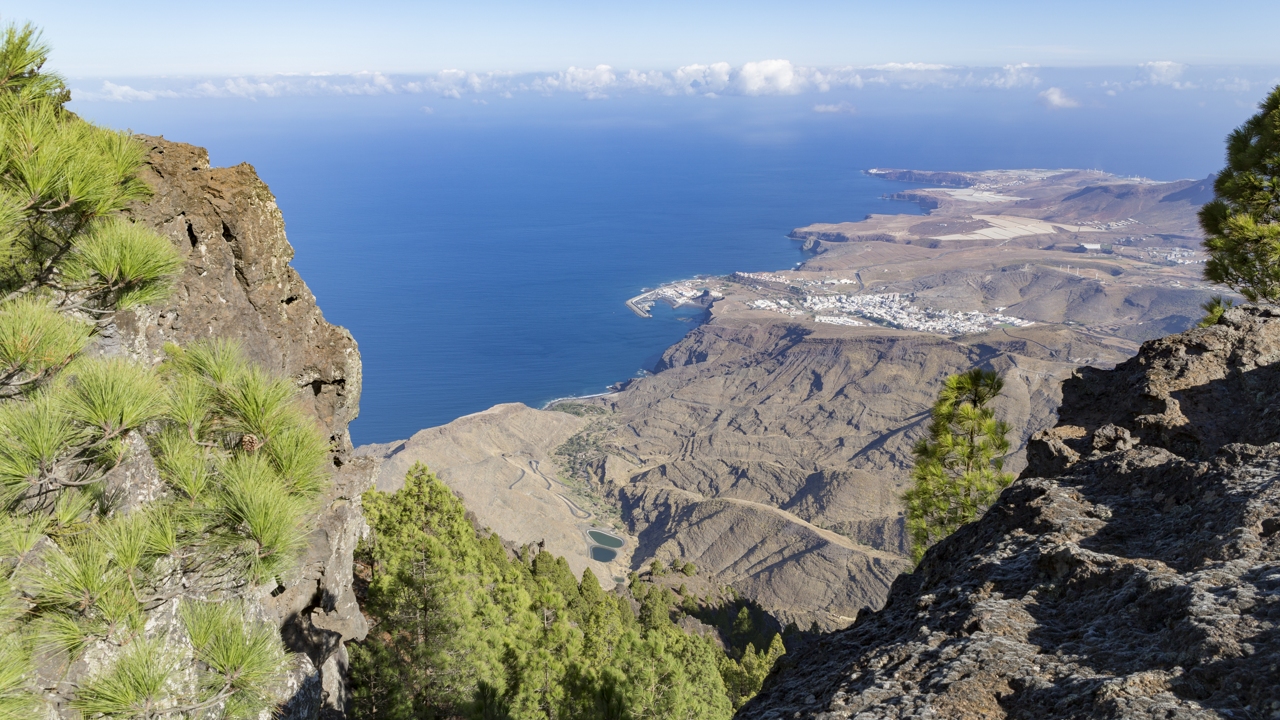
column 1133, row 570
column 237, row 283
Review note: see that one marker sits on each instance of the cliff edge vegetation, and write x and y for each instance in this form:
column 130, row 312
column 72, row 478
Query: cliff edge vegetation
column 159, row 499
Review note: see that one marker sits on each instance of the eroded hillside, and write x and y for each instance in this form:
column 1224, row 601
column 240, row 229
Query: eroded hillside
column 772, row 444
column 1130, row 572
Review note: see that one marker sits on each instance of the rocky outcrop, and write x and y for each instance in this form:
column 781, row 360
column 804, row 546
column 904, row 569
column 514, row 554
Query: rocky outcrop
column 238, row 284
column 1133, row 570
column 773, row 455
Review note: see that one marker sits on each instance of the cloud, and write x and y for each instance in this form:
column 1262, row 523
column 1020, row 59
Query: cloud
column 121, row 93
column 775, row 77
column 589, row 81
column 697, row 79
column 769, row 77
column 824, row 80
column 428, row 110
column 1014, row 76
column 839, row 108
column 907, row 67
column 1163, row 72
column 1054, row 97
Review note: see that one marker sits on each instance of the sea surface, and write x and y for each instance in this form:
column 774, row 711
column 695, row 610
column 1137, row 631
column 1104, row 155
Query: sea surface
column 482, row 254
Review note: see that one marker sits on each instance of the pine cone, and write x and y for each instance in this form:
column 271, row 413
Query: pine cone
column 249, row 442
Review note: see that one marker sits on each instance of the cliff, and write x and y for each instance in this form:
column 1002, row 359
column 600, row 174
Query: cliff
column 1131, row 571
column 238, row 284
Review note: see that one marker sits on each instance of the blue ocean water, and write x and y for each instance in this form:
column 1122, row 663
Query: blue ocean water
column 483, row 254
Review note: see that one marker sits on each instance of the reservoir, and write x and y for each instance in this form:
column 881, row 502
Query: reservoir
column 601, row 554
column 606, row 539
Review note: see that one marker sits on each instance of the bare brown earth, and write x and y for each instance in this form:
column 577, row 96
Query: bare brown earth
column 771, row 450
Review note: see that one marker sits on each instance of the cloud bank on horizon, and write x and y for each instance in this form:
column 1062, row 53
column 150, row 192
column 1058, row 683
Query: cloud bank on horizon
column 775, row 77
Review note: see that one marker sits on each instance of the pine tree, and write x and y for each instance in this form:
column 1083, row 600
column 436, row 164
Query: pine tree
column 959, row 466
column 78, row 569
column 1242, row 223
column 523, row 640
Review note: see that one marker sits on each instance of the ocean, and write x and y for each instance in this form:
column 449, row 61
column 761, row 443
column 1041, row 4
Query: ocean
column 481, row 253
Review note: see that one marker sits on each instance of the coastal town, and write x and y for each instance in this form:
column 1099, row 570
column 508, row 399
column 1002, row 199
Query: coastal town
column 787, row 296
column 675, row 294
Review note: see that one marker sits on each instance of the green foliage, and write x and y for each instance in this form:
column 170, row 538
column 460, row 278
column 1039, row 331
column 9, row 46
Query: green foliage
column 111, row 397
column 459, row 628
column 17, row 697
column 35, row 340
column 129, row 263
column 132, row 687
column 959, row 466
column 744, row 677
column 262, row 520
column 1242, row 224
column 1213, row 309
column 241, row 662
column 242, row 462
column 689, row 569
column 22, row 55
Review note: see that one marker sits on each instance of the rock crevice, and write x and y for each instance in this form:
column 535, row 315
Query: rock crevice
column 237, row 284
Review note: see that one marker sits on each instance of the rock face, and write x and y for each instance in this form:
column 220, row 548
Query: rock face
column 1132, row 571
column 238, row 284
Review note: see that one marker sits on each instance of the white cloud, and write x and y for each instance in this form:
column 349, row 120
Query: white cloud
column 1163, row 72
column 591, row 81
column 1236, row 85
column 769, row 77
column 907, row 67
column 112, row 92
column 428, row 110
column 1054, row 97
column 838, row 108
column 1014, row 76
column 761, row 78
column 695, row 79
column 824, row 80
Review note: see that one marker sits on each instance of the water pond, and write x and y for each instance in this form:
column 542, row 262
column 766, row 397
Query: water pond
column 602, row 554
column 606, row 539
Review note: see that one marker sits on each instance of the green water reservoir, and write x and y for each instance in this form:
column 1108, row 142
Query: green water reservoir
column 606, row 539
column 602, row 554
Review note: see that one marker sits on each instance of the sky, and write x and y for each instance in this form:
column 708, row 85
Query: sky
column 92, row 38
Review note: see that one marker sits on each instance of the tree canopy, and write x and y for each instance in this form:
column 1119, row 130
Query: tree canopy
column 1242, row 223
column 959, row 469
column 462, row 628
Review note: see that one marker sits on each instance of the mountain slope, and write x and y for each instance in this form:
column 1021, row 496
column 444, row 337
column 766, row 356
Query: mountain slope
column 1132, row 571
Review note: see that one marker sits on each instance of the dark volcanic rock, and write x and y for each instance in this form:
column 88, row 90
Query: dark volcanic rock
column 1132, row 571
column 238, row 284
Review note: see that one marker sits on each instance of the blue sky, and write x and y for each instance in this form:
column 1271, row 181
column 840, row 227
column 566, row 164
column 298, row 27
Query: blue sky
column 115, row 39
